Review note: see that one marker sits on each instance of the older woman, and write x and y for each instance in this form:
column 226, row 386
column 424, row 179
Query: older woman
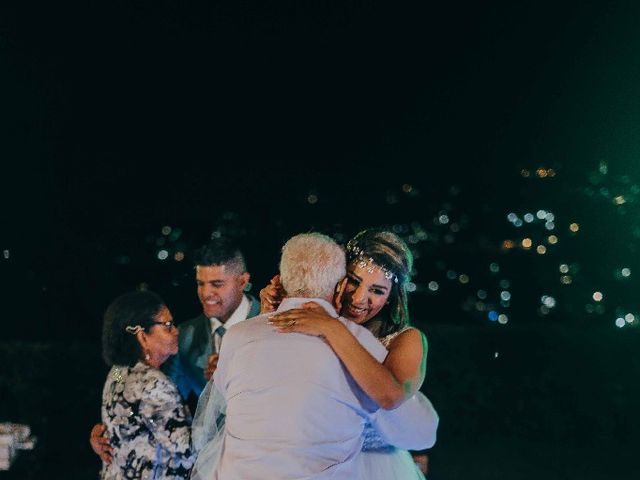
column 147, row 424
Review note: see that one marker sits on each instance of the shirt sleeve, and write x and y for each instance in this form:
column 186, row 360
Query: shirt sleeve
column 174, row 370
column 411, row 426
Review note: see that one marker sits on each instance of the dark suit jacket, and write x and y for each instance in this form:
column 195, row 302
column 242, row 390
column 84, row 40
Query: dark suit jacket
column 186, row 368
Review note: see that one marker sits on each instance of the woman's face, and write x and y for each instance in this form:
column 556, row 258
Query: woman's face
column 162, row 339
column 365, row 294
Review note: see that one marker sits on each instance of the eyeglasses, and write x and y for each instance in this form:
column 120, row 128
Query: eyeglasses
column 169, row 324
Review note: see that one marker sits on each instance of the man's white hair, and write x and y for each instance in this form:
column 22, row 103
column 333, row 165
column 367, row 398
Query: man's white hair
column 311, row 265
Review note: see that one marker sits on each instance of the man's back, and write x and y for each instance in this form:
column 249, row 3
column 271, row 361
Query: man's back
column 292, row 410
column 195, row 346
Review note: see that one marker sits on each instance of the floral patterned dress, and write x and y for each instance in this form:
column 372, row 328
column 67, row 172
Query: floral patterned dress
column 148, row 425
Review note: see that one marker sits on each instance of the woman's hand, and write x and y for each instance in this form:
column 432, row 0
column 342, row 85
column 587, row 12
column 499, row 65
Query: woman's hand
column 310, row 319
column 271, row 295
column 212, row 364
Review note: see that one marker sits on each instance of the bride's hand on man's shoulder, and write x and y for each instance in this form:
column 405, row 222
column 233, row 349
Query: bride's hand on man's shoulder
column 310, row 319
column 271, row 295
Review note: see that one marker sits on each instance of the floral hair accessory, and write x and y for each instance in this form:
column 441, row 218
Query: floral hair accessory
column 134, row 330
column 357, row 254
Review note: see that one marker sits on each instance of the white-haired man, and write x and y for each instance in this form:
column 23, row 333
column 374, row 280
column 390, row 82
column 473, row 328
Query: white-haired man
column 292, row 411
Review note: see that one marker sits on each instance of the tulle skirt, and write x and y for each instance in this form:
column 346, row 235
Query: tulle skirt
column 389, row 464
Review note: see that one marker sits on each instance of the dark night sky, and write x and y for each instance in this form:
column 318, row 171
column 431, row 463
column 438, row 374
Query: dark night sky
column 119, row 117
column 100, row 96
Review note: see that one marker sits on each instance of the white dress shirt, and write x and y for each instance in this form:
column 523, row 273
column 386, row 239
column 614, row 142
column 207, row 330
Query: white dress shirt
column 237, row 316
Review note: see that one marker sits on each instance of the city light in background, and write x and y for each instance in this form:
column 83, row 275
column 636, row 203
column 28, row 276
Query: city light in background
column 547, row 254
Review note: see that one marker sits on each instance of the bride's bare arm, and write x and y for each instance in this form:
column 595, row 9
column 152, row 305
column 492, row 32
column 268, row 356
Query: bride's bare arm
column 388, row 384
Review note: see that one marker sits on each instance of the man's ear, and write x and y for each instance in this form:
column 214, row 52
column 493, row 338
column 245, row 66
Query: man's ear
column 337, row 298
column 243, row 280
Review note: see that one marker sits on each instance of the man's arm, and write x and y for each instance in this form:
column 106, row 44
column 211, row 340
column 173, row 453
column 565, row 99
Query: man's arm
column 174, row 370
column 177, row 367
column 411, row 426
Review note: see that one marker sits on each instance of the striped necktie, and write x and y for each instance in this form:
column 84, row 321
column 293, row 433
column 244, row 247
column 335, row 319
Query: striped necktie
column 220, row 331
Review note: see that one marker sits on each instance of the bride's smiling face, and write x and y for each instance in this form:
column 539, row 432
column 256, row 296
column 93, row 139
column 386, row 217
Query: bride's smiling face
column 366, row 292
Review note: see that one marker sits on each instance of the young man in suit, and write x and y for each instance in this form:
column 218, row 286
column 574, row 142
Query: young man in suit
column 221, row 279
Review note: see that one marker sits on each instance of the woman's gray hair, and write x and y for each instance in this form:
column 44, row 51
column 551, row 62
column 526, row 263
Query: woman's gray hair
column 311, row 265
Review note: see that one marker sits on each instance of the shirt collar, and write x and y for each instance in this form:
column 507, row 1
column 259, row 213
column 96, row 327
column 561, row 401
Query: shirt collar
column 237, row 316
column 295, row 302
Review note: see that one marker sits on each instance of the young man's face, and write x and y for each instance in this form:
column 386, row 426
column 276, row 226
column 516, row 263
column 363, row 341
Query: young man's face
column 220, row 290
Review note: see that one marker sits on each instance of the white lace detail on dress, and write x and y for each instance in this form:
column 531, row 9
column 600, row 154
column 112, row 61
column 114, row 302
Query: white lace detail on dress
column 387, row 340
